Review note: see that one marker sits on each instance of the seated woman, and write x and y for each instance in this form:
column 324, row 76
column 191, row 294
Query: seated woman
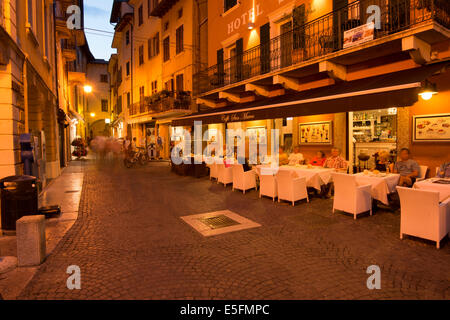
column 382, row 162
column 318, row 160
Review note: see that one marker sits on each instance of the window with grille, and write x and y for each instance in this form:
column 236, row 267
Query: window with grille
column 104, row 105
column 179, row 40
column 166, row 48
column 141, row 15
column 119, row 105
column 141, row 55
column 180, row 82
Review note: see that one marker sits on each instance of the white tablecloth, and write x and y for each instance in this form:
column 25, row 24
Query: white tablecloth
column 443, row 189
column 381, row 186
column 315, row 176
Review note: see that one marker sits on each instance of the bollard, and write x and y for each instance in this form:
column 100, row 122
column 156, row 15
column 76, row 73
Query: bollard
column 30, row 232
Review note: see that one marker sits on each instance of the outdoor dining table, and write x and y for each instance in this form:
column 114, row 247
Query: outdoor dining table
column 315, row 176
column 432, row 185
column 382, row 184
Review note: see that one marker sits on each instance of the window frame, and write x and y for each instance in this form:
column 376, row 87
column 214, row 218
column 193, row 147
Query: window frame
column 141, row 15
column 103, row 103
column 179, row 39
column 166, row 49
column 225, row 9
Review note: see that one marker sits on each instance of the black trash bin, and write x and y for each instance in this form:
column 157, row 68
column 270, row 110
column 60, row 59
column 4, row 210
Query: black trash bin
column 19, row 197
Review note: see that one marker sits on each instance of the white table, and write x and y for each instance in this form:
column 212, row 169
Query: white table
column 382, row 184
column 443, row 189
column 315, row 176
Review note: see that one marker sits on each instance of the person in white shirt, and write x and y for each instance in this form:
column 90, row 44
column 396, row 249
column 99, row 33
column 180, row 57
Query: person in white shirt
column 296, row 157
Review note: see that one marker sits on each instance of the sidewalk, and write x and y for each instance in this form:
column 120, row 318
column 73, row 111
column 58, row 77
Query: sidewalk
column 64, row 191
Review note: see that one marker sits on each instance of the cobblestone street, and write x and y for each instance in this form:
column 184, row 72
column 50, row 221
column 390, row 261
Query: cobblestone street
column 131, row 243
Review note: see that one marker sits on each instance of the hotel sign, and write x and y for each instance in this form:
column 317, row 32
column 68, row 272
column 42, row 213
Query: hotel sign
column 245, row 18
column 359, row 35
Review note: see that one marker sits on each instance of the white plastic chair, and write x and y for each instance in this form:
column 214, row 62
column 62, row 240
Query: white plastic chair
column 349, row 196
column 422, row 173
column 243, row 180
column 422, row 216
column 213, row 171
column 290, row 187
column 225, row 175
column 267, row 185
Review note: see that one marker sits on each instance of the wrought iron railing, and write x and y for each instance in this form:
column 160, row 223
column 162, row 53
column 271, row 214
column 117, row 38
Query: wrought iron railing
column 160, row 105
column 320, row 37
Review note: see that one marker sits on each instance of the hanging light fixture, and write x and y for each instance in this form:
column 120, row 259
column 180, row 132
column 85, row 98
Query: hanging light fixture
column 428, row 90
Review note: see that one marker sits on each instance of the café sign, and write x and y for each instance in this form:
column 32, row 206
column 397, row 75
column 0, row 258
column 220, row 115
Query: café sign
column 237, row 117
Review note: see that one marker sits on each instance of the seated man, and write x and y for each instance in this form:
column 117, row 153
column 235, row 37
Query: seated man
column 336, row 161
column 296, row 157
column 444, row 170
column 407, row 168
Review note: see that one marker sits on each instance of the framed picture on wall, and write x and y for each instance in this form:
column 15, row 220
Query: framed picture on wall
column 433, row 127
column 316, row 132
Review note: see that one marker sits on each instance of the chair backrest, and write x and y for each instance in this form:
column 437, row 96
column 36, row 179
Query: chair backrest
column 419, row 209
column 238, row 170
column 423, row 172
column 344, row 185
column 284, row 177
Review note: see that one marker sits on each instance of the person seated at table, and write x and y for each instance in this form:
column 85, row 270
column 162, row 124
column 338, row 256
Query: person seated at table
column 407, row 168
column 282, row 157
column 382, row 162
column 296, row 157
column 444, row 170
column 335, row 161
column 318, row 160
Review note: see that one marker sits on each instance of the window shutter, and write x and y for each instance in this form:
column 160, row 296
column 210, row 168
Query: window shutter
column 220, row 67
column 264, row 31
column 239, row 59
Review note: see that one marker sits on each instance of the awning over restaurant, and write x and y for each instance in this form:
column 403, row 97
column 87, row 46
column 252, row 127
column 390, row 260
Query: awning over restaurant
column 399, row 89
column 75, row 115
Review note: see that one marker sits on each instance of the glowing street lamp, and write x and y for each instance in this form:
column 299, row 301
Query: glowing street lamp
column 92, row 114
column 87, row 88
column 107, row 121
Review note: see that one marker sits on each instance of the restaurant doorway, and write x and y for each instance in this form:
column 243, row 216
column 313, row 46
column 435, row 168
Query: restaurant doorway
column 370, row 133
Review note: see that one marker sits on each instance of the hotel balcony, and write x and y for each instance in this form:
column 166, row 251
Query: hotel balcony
column 162, row 107
column 322, row 49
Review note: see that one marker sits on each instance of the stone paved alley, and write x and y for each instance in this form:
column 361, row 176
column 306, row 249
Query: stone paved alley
column 130, row 243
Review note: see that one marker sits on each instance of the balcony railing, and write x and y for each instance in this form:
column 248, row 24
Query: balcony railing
column 160, row 105
column 320, row 37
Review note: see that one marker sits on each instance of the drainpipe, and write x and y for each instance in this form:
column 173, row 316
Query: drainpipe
column 25, row 90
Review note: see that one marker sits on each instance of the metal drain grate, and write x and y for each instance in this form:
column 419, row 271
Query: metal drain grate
column 217, row 222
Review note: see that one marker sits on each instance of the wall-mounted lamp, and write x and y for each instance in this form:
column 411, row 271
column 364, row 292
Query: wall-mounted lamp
column 107, row 121
column 92, row 114
column 87, row 88
column 428, row 90
column 251, row 25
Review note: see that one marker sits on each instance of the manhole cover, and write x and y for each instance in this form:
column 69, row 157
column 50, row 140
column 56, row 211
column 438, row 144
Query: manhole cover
column 72, row 191
column 220, row 221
